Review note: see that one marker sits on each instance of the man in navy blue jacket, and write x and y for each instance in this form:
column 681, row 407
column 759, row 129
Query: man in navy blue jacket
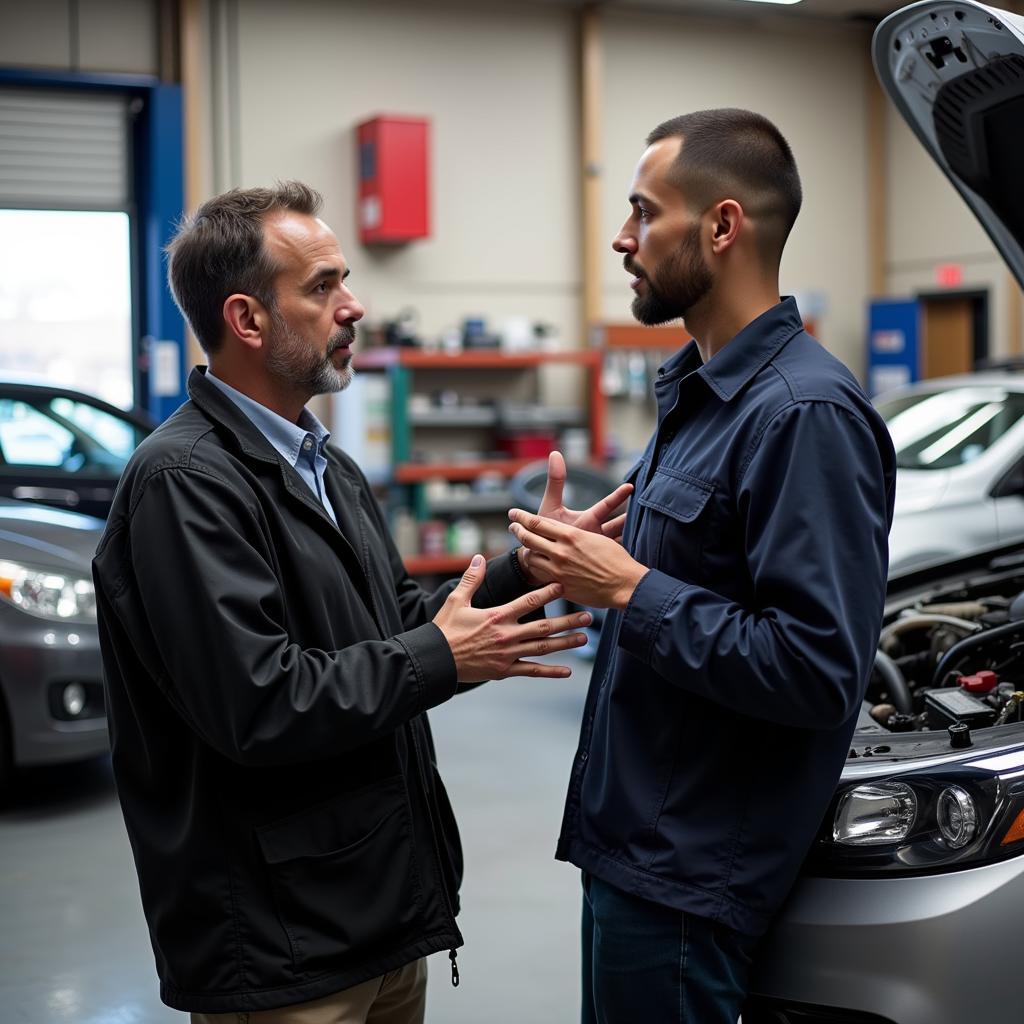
column 746, row 594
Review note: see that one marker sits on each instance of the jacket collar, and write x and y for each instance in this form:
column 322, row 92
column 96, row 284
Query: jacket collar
column 286, row 437
column 343, row 490
column 735, row 365
column 219, row 408
column 225, row 413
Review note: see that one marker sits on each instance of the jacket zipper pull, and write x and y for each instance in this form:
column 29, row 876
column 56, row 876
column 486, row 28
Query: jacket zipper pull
column 455, row 968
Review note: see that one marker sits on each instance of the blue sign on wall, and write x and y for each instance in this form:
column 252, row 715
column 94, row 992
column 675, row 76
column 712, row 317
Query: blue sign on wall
column 892, row 344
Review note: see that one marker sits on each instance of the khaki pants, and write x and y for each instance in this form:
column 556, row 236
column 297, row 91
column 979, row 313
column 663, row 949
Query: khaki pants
column 396, row 998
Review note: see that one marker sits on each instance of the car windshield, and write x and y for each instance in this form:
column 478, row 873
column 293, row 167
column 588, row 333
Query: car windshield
column 942, row 429
column 64, row 435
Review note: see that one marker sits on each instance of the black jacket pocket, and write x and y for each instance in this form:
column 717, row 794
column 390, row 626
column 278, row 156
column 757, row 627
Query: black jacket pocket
column 344, row 876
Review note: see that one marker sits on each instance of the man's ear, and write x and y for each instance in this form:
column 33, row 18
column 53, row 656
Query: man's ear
column 727, row 219
column 246, row 318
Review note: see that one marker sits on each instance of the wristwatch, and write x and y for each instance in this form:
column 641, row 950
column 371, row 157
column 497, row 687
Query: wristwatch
column 517, row 567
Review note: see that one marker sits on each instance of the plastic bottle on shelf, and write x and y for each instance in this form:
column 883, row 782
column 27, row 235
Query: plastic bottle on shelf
column 406, row 533
column 464, row 536
column 637, row 375
column 576, row 444
column 432, row 537
column 496, row 540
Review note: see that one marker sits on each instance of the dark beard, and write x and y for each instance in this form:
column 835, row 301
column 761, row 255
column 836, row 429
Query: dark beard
column 291, row 360
column 677, row 286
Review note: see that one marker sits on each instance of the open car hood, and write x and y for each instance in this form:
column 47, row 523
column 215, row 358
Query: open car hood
column 955, row 71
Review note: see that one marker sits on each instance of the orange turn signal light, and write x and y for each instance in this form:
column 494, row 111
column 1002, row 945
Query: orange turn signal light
column 1015, row 833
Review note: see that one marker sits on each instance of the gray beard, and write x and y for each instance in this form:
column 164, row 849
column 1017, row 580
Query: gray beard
column 292, row 361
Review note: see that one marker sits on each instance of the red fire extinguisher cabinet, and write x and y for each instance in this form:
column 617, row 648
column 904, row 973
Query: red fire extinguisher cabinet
column 394, row 186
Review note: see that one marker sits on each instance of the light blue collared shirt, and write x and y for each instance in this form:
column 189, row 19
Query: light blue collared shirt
column 300, row 444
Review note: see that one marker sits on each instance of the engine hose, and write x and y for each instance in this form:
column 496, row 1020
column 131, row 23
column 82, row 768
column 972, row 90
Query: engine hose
column 906, row 624
column 958, row 609
column 899, row 691
column 970, row 643
column 921, row 621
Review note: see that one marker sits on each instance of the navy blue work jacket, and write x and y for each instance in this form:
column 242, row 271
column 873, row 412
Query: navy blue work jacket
column 724, row 698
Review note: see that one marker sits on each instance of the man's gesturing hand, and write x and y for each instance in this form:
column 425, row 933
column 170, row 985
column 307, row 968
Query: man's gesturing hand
column 593, row 569
column 490, row 643
column 597, row 518
column 600, row 518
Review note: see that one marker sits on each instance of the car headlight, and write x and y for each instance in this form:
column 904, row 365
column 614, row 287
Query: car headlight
column 51, row 595
column 874, row 814
column 955, row 815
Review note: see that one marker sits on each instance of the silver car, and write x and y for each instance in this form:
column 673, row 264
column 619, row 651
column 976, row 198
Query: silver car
column 51, row 686
column 960, row 452
column 908, row 908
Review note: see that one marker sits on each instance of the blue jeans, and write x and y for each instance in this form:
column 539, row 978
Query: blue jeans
column 644, row 963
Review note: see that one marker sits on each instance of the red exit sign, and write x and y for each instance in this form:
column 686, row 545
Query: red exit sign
column 949, row 275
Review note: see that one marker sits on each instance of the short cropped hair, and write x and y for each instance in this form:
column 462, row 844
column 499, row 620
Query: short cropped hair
column 219, row 251
column 737, row 154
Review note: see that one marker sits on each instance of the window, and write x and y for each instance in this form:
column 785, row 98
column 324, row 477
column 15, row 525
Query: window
column 28, row 438
column 115, row 436
column 64, row 435
column 65, row 300
column 938, row 430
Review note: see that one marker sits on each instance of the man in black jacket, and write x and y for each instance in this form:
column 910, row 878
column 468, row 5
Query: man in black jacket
column 269, row 661
column 747, row 596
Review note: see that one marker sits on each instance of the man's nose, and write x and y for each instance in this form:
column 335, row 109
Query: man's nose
column 350, row 310
column 624, row 242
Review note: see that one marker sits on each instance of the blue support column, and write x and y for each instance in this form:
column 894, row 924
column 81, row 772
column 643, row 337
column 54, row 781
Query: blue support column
column 161, row 199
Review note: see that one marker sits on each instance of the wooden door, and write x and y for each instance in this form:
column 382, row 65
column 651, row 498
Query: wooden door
column 947, row 336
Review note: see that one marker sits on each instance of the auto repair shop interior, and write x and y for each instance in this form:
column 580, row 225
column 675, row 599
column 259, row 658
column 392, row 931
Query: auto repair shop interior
column 475, row 158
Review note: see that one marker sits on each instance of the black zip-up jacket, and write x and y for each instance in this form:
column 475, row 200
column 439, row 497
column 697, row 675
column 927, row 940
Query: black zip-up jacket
column 723, row 699
column 267, row 676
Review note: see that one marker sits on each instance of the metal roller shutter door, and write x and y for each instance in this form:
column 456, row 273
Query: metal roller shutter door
column 63, row 150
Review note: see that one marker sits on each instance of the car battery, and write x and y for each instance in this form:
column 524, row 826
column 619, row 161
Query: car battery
column 946, row 706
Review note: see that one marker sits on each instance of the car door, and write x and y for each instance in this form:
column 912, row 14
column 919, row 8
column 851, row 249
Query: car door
column 63, row 448
column 1008, row 495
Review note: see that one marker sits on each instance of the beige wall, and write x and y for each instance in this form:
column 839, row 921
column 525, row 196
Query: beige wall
column 80, row 35
column 499, row 89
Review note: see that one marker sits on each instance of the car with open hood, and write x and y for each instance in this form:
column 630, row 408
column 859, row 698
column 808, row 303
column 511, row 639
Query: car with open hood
column 908, row 907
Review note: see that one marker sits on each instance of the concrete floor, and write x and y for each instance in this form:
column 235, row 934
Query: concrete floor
column 74, row 947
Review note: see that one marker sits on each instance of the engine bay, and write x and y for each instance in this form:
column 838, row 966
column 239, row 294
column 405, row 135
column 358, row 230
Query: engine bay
column 950, row 662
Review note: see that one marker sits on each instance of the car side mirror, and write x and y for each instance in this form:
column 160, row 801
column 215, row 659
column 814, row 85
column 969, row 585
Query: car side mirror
column 1012, row 484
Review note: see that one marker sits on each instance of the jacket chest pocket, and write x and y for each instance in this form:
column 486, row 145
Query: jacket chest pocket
column 677, row 524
